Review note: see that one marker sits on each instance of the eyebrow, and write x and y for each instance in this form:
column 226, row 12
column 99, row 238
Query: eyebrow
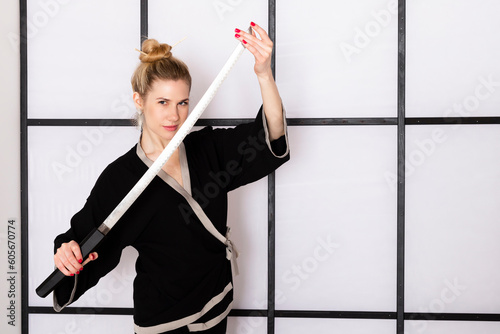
column 166, row 99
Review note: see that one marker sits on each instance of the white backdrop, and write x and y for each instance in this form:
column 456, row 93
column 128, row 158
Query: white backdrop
column 10, row 200
column 336, row 199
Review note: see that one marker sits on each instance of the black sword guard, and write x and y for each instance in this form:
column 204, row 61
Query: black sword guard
column 87, row 246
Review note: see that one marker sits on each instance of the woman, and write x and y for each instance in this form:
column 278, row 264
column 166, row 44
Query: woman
column 178, row 224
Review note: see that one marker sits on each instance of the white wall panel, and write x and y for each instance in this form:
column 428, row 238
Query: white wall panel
column 209, row 26
column 247, row 325
column 81, row 57
column 337, row 326
column 64, row 163
column 455, row 327
column 247, row 218
column 337, row 58
column 336, row 220
column 452, row 58
column 85, row 323
column 452, row 219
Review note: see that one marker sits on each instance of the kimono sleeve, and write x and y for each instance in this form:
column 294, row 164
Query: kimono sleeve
column 103, row 198
column 245, row 153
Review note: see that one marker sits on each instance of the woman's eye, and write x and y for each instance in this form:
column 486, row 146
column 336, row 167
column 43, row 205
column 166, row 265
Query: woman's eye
column 162, row 102
column 184, row 103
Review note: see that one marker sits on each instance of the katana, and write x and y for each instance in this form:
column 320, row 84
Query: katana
column 95, row 237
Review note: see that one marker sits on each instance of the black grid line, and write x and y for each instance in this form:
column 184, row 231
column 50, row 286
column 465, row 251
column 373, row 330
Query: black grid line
column 128, row 311
column 271, row 260
column 271, row 248
column 216, row 121
column 400, row 303
column 452, row 120
column 80, row 122
column 304, row 314
column 488, row 317
column 401, row 121
column 144, row 20
column 23, row 48
column 335, row 315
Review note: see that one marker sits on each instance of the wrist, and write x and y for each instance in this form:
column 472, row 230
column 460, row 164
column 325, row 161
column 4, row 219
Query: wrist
column 266, row 76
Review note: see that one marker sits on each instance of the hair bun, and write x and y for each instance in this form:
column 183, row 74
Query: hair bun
column 152, row 51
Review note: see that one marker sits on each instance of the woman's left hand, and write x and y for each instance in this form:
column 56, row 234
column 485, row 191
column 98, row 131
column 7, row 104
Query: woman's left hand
column 261, row 48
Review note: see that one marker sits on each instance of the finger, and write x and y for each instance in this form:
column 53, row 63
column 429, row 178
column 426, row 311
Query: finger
column 76, row 251
column 253, row 40
column 64, row 264
column 61, row 267
column 260, row 56
column 75, row 256
column 66, row 254
column 254, row 45
column 262, row 33
column 264, row 40
column 92, row 256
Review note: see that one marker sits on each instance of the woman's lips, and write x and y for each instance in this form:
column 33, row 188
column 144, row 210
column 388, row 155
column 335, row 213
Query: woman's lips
column 170, row 127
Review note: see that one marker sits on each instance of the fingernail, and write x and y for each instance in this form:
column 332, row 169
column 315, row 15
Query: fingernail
column 81, row 269
column 72, row 274
column 244, row 42
column 237, row 30
column 80, row 261
column 252, row 24
column 237, row 36
column 77, row 272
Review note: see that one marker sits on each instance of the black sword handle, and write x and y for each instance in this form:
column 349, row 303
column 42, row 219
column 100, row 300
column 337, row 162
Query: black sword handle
column 87, row 246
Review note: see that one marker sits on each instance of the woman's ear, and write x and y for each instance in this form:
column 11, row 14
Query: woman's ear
column 138, row 101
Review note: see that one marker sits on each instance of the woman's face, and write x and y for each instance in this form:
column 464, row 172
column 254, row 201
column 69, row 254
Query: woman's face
column 165, row 108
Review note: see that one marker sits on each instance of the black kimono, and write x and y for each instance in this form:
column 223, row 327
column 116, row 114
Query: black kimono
column 184, row 279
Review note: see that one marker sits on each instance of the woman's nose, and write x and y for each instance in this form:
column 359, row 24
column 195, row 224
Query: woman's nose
column 173, row 114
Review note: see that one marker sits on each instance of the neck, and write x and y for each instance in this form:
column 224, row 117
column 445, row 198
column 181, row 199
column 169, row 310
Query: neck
column 152, row 143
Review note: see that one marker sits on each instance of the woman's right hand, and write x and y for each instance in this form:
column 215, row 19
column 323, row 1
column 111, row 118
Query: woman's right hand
column 68, row 258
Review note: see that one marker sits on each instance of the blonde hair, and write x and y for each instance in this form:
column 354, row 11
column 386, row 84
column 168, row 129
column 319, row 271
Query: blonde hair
column 157, row 63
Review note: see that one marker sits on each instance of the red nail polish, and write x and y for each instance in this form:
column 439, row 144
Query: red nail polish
column 80, row 261
column 72, row 274
column 237, row 30
column 81, row 269
column 252, row 24
column 237, row 36
column 77, row 272
column 244, row 42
